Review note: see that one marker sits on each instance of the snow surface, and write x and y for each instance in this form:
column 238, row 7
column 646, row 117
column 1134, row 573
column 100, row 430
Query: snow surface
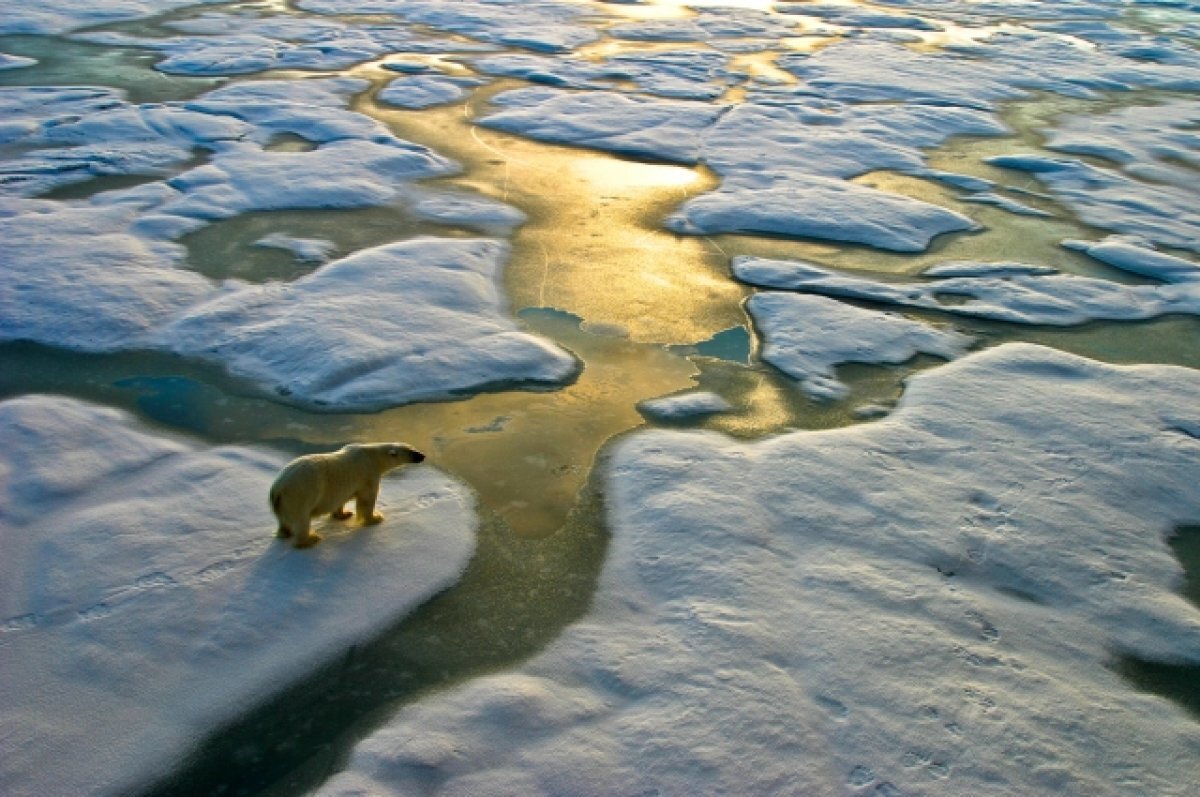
column 806, row 337
column 1008, row 292
column 145, row 601
column 538, row 26
column 414, row 320
column 60, row 16
column 225, row 44
column 131, row 290
column 926, row 604
column 818, row 207
column 684, row 405
column 423, row 91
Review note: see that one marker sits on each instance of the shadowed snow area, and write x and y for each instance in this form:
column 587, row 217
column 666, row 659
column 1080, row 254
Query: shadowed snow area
column 887, row 609
column 144, row 599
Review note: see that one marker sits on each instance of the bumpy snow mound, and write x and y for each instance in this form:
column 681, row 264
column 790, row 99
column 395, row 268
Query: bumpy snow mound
column 145, row 601
column 927, row 604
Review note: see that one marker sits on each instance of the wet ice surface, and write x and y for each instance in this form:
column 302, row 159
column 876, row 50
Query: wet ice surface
column 144, row 603
column 928, row 607
column 926, row 604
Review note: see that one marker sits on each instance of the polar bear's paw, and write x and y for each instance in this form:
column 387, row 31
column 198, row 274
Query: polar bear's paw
column 308, row 541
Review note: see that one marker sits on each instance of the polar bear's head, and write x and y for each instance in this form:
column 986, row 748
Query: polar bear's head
column 390, row 455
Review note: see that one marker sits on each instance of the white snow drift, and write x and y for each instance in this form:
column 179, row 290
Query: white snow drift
column 928, row 604
column 144, row 600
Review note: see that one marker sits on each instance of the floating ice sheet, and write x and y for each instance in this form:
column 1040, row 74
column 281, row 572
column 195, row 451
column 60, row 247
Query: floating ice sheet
column 1007, row 292
column 144, row 600
column 106, row 274
column 539, row 26
column 685, row 405
column 60, row 16
column 415, row 320
column 926, row 604
column 806, row 337
column 818, row 207
column 776, row 162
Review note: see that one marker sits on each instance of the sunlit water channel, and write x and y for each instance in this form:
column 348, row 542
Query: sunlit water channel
column 648, row 313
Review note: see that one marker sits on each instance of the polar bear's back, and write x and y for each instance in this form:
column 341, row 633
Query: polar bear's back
column 319, row 482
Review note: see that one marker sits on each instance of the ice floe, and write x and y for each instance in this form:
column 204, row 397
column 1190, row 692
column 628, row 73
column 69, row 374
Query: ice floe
column 15, row 61
column 681, row 74
column 817, row 207
column 1007, row 292
column 539, row 26
column 408, row 321
column 776, row 162
column 310, row 250
column 851, row 16
column 223, row 44
column 144, row 600
column 424, row 91
column 868, row 70
column 662, row 129
column 130, row 291
column 1162, row 213
column 806, row 337
column 1136, row 137
column 684, row 405
column 60, row 16
column 926, row 604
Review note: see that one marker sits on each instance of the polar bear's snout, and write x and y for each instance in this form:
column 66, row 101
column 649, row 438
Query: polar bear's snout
column 405, row 455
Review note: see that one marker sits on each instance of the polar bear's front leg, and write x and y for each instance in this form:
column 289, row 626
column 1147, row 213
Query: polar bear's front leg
column 364, row 504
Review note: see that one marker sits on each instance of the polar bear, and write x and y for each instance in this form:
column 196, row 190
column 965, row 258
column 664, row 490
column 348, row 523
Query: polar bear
column 320, row 484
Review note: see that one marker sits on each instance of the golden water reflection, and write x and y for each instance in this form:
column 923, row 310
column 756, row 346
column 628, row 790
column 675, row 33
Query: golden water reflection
column 526, row 454
column 593, row 244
